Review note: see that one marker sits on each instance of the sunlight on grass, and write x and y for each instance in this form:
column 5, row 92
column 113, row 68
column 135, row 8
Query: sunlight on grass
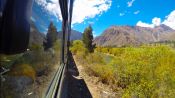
column 145, row 71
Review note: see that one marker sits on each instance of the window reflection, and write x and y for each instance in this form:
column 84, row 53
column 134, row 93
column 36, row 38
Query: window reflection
column 30, row 73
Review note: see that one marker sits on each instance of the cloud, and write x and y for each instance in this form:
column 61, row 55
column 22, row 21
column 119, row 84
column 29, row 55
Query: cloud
column 121, row 14
column 83, row 9
column 136, row 12
column 142, row 24
column 169, row 21
column 51, row 6
column 130, row 3
column 41, row 2
column 94, row 34
column 155, row 22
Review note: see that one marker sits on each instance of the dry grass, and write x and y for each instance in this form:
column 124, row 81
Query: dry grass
column 23, row 70
column 143, row 72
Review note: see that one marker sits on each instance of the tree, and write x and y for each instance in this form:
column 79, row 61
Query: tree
column 88, row 39
column 51, row 36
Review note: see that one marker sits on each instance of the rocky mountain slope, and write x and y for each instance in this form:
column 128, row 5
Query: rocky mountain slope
column 36, row 37
column 75, row 35
column 134, row 35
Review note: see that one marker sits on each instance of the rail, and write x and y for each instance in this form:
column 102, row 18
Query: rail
column 55, row 86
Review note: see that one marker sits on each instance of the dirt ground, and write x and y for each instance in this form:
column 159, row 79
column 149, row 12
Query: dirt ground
column 96, row 88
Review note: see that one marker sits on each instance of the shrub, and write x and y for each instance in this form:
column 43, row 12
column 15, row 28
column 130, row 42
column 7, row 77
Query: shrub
column 94, row 58
column 23, row 70
column 35, row 47
column 142, row 72
column 57, row 45
column 78, row 48
column 146, row 71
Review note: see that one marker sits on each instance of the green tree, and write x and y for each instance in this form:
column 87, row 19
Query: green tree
column 88, row 39
column 51, row 36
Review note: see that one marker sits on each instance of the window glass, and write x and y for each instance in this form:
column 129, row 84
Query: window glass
column 29, row 74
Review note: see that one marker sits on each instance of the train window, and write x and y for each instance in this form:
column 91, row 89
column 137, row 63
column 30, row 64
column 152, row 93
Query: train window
column 28, row 73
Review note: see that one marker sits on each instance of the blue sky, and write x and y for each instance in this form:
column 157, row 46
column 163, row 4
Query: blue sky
column 102, row 14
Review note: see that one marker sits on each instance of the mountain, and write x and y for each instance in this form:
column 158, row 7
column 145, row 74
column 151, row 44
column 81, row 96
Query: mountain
column 75, row 35
column 35, row 36
column 134, row 35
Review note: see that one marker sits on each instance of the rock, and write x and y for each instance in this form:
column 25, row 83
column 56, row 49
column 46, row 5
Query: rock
column 18, row 83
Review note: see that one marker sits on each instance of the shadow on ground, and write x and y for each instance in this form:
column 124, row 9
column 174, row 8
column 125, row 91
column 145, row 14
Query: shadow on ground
column 77, row 87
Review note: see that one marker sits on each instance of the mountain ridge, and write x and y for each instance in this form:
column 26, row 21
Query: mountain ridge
column 75, row 35
column 134, row 35
column 37, row 37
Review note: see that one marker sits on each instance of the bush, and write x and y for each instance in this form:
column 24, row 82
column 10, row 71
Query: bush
column 35, row 47
column 23, row 70
column 39, row 59
column 104, row 72
column 95, row 65
column 57, row 46
column 146, row 71
column 142, row 72
column 94, row 58
column 79, row 49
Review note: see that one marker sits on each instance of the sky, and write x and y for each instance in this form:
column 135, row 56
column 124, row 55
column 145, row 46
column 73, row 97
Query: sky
column 102, row 14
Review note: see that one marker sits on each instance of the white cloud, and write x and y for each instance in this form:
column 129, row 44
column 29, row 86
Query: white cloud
column 130, row 3
column 83, row 9
column 136, row 12
column 52, row 7
column 94, row 34
column 170, row 20
column 121, row 14
column 155, row 22
column 142, row 24
column 41, row 2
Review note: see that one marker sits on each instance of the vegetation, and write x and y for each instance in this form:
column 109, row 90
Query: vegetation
column 23, row 70
column 35, row 61
column 145, row 71
column 141, row 72
column 78, row 48
column 88, row 38
column 32, row 64
column 168, row 43
column 51, row 36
